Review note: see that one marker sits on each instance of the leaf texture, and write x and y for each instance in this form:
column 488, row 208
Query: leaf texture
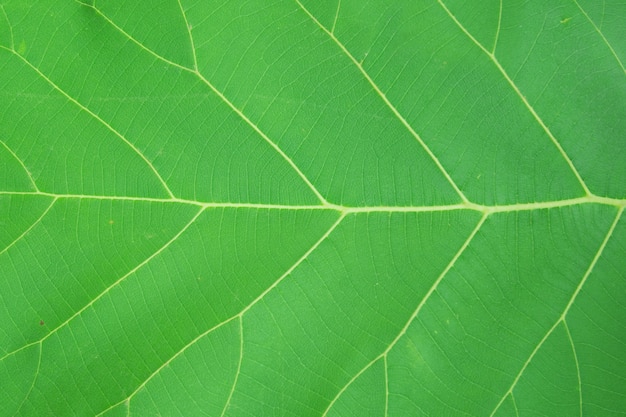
column 312, row 208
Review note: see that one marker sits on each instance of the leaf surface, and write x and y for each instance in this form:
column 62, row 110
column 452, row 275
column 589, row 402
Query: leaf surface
column 312, row 208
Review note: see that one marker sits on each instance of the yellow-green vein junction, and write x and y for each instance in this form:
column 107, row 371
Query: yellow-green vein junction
column 565, row 310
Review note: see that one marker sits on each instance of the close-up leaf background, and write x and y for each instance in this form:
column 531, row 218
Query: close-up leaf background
column 312, row 208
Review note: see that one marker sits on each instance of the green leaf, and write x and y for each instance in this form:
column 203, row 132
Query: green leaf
column 312, row 208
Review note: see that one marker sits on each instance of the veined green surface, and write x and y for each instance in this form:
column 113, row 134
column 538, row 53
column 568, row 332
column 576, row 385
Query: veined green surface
column 312, row 208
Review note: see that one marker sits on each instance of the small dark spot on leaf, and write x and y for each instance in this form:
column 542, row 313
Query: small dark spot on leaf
column 41, row 323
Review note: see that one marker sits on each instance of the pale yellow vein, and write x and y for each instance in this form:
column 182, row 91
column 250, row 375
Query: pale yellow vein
column 393, row 109
column 599, row 31
column 224, row 99
column 523, row 98
column 19, row 160
column 99, row 119
column 565, row 310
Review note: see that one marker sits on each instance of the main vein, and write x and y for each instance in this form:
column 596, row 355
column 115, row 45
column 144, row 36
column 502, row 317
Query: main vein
column 483, row 208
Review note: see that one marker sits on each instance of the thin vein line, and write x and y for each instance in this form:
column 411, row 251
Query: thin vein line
column 274, row 146
column 597, row 29
column 523, row 98
column 603, row 13
column 30, row 177
column 25, row 232
column 332, row 30
column 6, row 17
column 188, row 27
column 388, row 103
column 98, row 118
column 386, row 365
column 580, row 388
column 565, row 310
column 495, row 41
column 514, row 405
column 32, row 385
column 232, row 388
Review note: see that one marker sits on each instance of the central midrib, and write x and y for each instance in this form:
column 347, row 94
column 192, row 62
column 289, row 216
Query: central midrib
column 483, row 208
